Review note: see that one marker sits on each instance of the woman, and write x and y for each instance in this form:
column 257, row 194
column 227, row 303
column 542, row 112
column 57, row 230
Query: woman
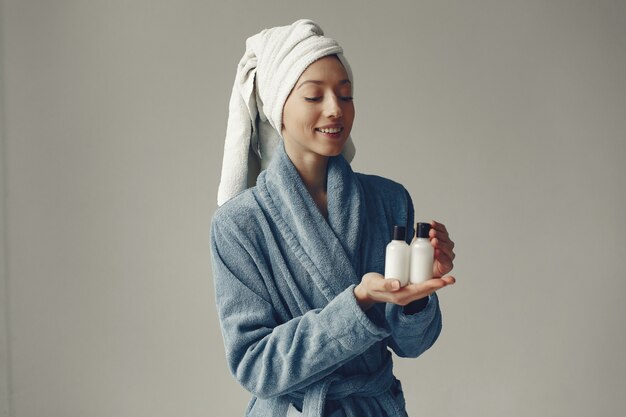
column 306, row 316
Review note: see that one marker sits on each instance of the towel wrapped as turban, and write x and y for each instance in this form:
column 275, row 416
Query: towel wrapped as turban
column 274, row 60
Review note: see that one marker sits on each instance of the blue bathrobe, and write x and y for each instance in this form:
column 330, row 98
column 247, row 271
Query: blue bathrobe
column 284, row 276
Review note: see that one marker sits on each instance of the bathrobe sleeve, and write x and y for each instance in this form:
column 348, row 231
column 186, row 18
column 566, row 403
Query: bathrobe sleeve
column 269, row 356
column 413, row 334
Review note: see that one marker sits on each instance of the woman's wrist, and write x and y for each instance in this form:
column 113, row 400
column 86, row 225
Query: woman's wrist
column 416, row 306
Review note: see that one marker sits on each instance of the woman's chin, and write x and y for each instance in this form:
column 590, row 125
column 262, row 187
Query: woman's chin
column 333, row 149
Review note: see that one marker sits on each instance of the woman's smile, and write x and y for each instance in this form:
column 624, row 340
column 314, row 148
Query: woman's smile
column 330, row 131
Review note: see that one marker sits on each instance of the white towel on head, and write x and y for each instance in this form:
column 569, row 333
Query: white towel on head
column 274, row 60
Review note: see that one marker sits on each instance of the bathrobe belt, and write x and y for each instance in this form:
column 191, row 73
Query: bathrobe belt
column 337, row 387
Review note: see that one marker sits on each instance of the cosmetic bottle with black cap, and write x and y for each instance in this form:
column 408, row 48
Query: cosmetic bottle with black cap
column 397, row 257
column 422, row 255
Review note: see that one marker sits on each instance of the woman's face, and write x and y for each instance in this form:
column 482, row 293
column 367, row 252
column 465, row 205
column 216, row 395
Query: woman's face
column 318, row 114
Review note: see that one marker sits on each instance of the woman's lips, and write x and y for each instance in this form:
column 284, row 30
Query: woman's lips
column 333, row 131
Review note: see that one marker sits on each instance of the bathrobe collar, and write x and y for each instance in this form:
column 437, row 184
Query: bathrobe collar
column 328, row 249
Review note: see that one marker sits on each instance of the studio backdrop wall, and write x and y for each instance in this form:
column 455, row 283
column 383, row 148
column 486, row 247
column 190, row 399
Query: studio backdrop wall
column 506, row 120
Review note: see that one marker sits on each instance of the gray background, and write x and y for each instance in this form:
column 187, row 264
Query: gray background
column 506, row 120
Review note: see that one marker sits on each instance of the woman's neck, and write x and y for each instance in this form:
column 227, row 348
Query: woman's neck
column 313, row 171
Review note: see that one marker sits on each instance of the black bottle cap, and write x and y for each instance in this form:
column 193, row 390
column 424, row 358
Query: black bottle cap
column 399, row 233
column 422, row 229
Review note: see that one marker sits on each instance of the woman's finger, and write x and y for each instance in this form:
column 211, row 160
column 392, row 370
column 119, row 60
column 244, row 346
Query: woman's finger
column 444, row 247
column 433, row 285
column 438, row 226
column 442, row 264
column 378, row 283
column 449, row 279
column 414, row 292
column 390, row 284
column 443, row 258
column 442, row 235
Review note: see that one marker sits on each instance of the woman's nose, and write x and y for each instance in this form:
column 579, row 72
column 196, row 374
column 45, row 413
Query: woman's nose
column 332, row 107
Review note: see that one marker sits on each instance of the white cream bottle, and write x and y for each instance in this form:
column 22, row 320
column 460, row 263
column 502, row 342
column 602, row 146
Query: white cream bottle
column 397, row 257
column 422, row 255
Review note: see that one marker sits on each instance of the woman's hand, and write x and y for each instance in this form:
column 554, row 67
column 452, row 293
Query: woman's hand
column 374, row 288
column 444, row 249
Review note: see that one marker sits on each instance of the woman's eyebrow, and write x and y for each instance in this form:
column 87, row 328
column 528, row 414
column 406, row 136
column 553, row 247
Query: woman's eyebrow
column 318, row 82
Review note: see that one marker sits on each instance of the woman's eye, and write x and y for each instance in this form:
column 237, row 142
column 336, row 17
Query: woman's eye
column 312, row 99
column 346, row 98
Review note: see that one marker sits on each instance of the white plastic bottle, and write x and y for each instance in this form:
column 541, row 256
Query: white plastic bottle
column 422, row 255
column 397, row 257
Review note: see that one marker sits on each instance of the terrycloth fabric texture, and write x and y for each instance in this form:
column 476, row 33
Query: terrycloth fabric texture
column 274, row 60
column 284, row 279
